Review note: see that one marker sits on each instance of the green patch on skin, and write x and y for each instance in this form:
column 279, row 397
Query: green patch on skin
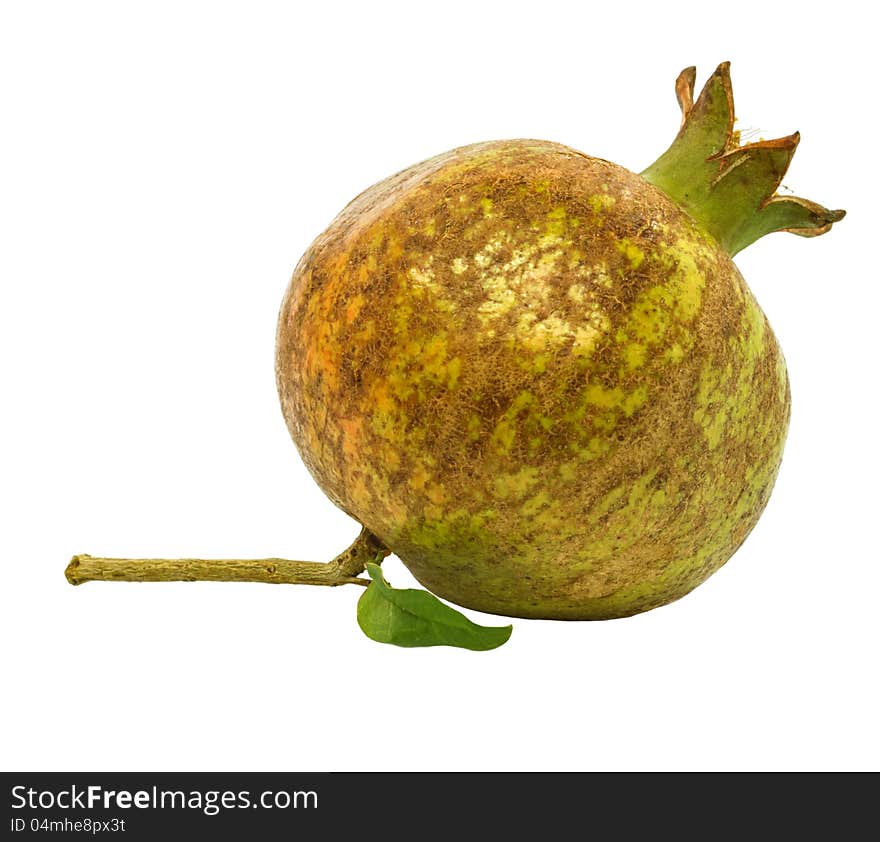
column 638, row 493
column 457, row 529
column 781, row 378
column 662, row 313
column 503, row 436
column 692, row 567
column 537, row 363
column 505, row 430
column 634, row 400
column 650, row 317
column 534, row 504
column 552, row 517
column 622, row 516
column 524, row 416
column 595, row 448
column 726, row 403
column 453, row 370
column 609, row 501
column 605, row 422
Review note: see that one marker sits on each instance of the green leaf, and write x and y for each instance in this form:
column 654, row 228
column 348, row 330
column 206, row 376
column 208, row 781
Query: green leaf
column 417, row 618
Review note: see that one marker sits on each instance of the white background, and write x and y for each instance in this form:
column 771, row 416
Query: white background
column 164, row 165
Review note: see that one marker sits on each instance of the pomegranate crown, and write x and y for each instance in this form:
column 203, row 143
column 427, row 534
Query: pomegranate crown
column 729, row 188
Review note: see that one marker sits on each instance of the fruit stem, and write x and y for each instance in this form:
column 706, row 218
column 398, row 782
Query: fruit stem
column 342, row 570
column 731, row 188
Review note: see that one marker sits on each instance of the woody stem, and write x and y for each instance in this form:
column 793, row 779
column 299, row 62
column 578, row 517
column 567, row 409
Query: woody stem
column 342, row 570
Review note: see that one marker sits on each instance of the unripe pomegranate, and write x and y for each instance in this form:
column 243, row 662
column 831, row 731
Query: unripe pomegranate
column 538, row 377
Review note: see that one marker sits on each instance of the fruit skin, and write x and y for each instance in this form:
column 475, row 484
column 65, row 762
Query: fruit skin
column 536, row 379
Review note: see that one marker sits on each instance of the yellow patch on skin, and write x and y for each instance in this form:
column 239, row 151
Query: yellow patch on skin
column 326, row 358
column 459, row 266
column 575, row 256
column 380, row 398
column 535, row 335
column 501, row 299
column 585, row 339
column 366, row 333
column 516, row 484
column 537, row 364
column 631, row 252
column 390, row 457
column 418, row 478
column 424, row 277
column 485, row 256
column 650, row 317
column 523, row 279
column 436, row 493
column 433, row 357
column 601, row 202
column 596, row 275
column 453, row 370
column 687, row 281
column 486, row 206
column 433, row 512
column 556, row 227
column 552, row 517
column 674, row 353
column 634, row 355
column 601, row 276
column 606, row 422
column 568, row 470
column 606, row 398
